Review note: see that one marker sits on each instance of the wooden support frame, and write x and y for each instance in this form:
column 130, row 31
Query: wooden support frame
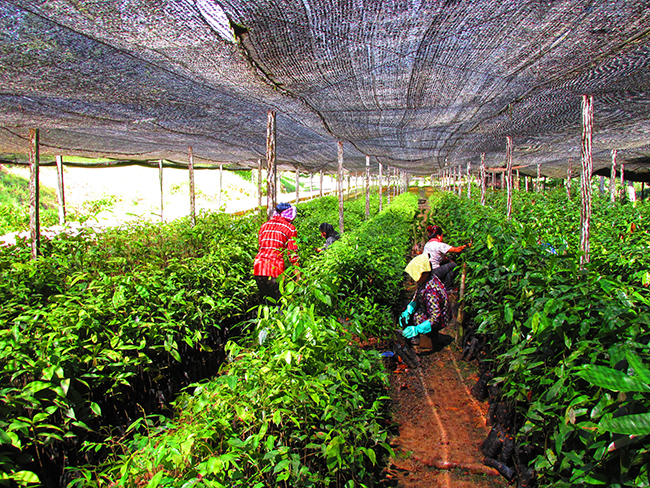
column 340, row 184
column 508, row 176
column 160, row 184
column 585, row 180
column 190, row 167
column 381, row 190
column 271, row 167
column 60, row 189
column 34, row 192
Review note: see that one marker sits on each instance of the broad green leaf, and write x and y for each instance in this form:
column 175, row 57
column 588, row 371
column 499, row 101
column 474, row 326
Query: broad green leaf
column 612, row 379
column 637, row 424
column 26, row 477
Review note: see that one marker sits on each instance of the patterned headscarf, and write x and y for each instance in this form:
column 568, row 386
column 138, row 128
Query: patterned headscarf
column 286, row 211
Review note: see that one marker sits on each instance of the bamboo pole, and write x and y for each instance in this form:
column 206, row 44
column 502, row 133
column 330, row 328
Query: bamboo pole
column 297, row 186
column 388, row 175
column 509, row 176
column 526, row 180
column 538, row 181
column 469, row 181
column 517, row 181
column 220, row 186
column 34, row 193
column 601, row 186
column 367, row 187
column 612, row 177
column 259, row 185
column 587, row 166
column 60, row 193
column 190, row 167
column 483, row 177
column 160, row 184
column 459, row 177
column 340, row 185
column 381, row 191
column 271, row 168
column 568, row 179
column 321, row 183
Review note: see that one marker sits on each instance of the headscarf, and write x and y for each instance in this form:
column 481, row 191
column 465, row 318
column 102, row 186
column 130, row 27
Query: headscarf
column 418, row 265
column 433, row 231
column 329, row 231
column 286, row 211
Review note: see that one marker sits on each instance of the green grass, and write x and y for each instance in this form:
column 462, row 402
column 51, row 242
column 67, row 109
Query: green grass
column 14, row 204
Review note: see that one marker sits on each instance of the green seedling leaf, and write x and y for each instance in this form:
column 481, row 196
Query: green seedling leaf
column 26, row 477
column 612, row 379
column 637, row 425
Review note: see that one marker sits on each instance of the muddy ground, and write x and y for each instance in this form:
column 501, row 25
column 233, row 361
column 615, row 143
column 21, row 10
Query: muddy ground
column 440, row 424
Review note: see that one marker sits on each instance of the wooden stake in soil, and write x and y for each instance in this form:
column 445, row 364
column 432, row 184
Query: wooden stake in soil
column 381, row 191
column 367, row 187
column 190, row 166
column 160, row 183
column 60, row 193
column 483, row 178
column 259, row 185
column 321, row 183
column 587, row 166
column 271, row 168
column 612, row 177
column 34, row 197
column 220, row 186
column 509, row 176
column 568, row 179
column 340, row 185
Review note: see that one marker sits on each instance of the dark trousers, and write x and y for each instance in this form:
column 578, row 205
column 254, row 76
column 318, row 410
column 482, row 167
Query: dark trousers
column 446, row 273
column 269, row 289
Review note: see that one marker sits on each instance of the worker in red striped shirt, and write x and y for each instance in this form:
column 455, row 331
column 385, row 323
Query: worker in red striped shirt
column 277, row 237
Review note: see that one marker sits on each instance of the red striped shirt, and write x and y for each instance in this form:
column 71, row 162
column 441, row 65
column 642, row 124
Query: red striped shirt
column 275, row 236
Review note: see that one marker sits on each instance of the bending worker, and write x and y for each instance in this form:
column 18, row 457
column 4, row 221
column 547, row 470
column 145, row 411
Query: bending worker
column 328, row 233
column 276, row 237
column 437, row 251
column 429, row 311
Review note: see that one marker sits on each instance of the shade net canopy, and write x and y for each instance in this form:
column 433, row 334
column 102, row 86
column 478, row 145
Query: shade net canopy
column 413, row 84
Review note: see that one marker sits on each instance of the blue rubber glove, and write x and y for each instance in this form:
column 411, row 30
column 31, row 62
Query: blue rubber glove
column 406, row 314
column 413, row 330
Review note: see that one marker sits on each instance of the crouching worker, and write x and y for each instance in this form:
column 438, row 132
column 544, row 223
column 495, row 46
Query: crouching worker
column 429, row 310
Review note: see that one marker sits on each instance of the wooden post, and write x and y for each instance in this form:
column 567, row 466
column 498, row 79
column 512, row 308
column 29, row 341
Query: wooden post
column 297, row 186
column 340, row 185
column 381, row 191
column 271, row 168
column 631, row 192
column 622, row 181
column 517, row 180
column 483, row 178
column 526, row 179
column 220, row 186
column 509, row 176
column 34, row 197
column 538, row 181
column 321, row 183
column 587, row 166
column 60, row 189
column 601, row 186
column 160, row 183
column 388, row 174
column 612, row 177
column 311, row 184
column 190, row 166
column 259, row 186
column 469, row 181
column 460, row 181
column 367, row 187
column 568, row 179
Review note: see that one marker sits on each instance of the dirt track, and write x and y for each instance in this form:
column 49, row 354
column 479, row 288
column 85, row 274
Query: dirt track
column 441, row 426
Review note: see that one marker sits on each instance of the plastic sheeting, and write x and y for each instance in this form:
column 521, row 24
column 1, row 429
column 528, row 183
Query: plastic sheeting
column 415, row 84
